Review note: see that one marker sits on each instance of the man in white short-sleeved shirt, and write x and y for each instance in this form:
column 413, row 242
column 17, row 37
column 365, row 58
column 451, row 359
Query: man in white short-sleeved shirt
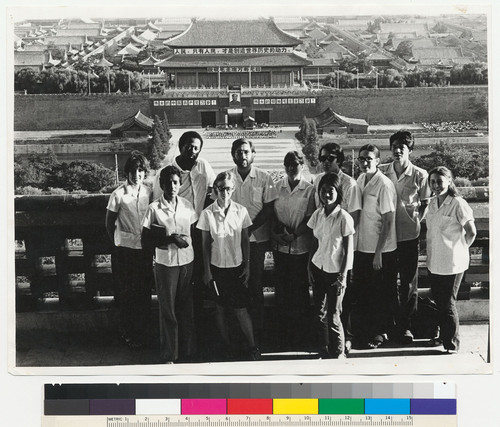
column 413, row 192
column 197, row 174
column 254, row 189
column 375, row 257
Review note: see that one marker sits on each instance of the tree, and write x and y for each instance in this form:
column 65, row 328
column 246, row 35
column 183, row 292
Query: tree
column 156, row 151
column 35, row 170
column 301, row 135
column 154, row 156
column 167, row 133
column 464, row 162
column 405, row 49
column 311, row 149
column 81, row 175
column 26, row 80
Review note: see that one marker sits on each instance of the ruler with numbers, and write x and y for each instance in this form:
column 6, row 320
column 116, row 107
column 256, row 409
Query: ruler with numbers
column 251, row 421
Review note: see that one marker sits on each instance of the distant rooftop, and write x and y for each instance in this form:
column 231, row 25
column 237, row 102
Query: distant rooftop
column 232, row 33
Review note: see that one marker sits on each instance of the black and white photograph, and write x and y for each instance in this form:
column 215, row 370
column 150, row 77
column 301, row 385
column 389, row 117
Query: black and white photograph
column 275, row 193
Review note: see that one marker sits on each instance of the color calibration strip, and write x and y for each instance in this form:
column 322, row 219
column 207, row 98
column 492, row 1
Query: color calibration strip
column 250, row 399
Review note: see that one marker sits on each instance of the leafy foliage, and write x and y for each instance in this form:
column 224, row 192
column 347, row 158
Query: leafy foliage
column 463, row 161
column 308, row 136
column 77, row 80
column 44, row 173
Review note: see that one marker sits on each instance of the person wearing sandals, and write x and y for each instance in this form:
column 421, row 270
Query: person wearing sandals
column 226, row 250
column 291, row 240
column 413, row 193
column 375, row 263
column 131, row 265
column 330, row 258
column 332, row 157
column 450, row 232
column 167, row 227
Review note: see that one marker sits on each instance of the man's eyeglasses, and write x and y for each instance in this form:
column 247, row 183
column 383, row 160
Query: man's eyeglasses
column 365, row 159
column 228, row 189
column 330, row 157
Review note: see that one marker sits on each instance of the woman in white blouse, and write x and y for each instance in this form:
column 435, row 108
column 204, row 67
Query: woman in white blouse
column 226, row 247
column 331, row 257
column 450, row 232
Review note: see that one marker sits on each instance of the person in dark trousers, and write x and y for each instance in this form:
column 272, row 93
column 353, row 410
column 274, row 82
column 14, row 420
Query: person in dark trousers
column 226, row 251
column 197, row 177
column 291, row 240
column 331, row 157
column 167, row 227
column 132, row 266
column 450, row 232
column 255, row 190
column 375, row 261
column 330, row 258
column 413, row 193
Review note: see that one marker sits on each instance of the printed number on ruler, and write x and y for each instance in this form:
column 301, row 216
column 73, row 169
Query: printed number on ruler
column 284, row 421
column 251, row 421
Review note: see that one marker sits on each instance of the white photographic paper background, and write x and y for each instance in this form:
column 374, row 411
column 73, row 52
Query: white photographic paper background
column 477, row 394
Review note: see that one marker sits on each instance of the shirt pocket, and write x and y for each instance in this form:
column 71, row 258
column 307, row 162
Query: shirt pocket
column 301, row 206
column 370, row 206
column 257, row 193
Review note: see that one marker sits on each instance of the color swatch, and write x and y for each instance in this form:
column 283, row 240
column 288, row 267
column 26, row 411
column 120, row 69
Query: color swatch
column 250, row 399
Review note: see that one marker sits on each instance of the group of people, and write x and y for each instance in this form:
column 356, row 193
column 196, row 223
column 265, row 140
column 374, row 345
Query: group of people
column 355, row 241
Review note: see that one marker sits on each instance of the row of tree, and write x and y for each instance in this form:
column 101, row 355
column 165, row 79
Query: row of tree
column 308, row 138
column 469, row 74
column 43, row 172
column 97, row 80
column 159, row 145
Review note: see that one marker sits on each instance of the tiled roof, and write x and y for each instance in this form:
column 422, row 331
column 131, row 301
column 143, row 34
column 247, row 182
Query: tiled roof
column 334, row 47
column 377, row 56
column 149, row 61
column 166, row 34
column 437, row 53
column 130, row 49
column 34, row 47
column 422, row 42
column 74, row 40
column 103, row 62
column 292, row 26
column 404, row 28
column 139, row 119
column 328, row 116
column 320, row 62
column 198, row 61
column 353, row 23
column 317, row 34
column 84, row 25
column 147, row 35
column 29, row 58
column 204, row 33
column 92, row 32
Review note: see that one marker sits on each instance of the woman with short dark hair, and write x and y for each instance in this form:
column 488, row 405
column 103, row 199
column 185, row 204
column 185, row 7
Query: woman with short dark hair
column 167, row 227
column 291, row 240
column 130, row 263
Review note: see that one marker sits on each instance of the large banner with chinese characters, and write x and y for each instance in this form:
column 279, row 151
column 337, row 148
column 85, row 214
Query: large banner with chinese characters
column 231, row 50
